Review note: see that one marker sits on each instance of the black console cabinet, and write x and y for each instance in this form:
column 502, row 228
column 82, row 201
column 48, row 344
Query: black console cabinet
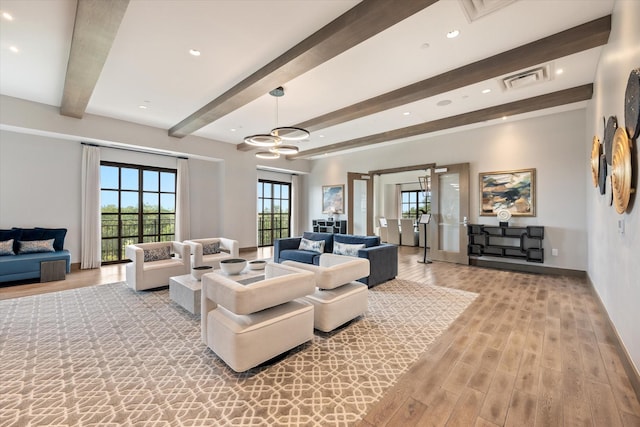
column 504, row 241
column 329, row 226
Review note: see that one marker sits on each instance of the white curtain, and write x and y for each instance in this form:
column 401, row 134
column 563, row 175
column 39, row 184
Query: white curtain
column 183, row 222
column 91, row 237
column 295, row 212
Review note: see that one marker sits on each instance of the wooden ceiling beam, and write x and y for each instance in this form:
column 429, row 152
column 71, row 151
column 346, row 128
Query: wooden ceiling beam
column 554, row 99
column 577, row 39
column 361, row 22
column 95, row 28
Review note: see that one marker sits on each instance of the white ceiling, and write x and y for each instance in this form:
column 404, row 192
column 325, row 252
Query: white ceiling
column 149, row 63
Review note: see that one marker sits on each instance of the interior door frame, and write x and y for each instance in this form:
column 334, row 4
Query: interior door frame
column 351, row 178
column 436, row 254
column 372, row 173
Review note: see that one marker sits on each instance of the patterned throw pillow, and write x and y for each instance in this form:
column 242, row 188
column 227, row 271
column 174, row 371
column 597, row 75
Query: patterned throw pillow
column 211, row 248
column 6, row 247
column 157, row 254
column 33, row 246
column 346, row 249
column 311, row 245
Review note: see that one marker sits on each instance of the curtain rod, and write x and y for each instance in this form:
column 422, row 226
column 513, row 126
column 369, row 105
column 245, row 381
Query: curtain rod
column 90, row 144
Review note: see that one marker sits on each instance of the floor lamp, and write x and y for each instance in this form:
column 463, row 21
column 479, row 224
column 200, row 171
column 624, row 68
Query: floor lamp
column 424, row 219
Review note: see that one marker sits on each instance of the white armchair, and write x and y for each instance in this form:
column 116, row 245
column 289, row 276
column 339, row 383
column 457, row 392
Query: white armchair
column 338, row 297
column 246, row 325
column 152, row 264
column 202, row 253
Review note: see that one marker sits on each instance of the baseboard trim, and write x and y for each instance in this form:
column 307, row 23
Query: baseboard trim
column 75, row 266
column 627, row 363
column 526, row 268
column 248, row 249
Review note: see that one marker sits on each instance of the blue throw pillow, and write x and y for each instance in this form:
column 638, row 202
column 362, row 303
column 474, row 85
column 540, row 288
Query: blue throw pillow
column 58, row 234
column 368, row 241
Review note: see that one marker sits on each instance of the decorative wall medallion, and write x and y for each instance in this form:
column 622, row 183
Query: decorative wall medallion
column 596, row 150
column 602, row 175
column 632, row 104
column 609, row 132
column 621, row 171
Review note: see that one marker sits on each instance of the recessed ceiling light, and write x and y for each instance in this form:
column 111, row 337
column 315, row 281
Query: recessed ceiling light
column 559, row 71
column 406, row 113
column 14, row 49
column 443, row 102
column 486, row 91
column 321, row 136
column 194, row 52
column 142, row 107
column 232, row 129
column 504, row 117
column 7, row 16
column 425, row 46
column 453, row 34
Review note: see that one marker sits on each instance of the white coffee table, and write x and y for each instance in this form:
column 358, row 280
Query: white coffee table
column 186, row 291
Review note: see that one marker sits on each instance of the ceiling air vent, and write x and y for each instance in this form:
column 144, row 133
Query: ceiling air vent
column 527, row 78
column 475, row 9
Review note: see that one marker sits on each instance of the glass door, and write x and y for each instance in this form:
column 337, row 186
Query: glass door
column 274, row 211
column 450, row 213
column 360, row 204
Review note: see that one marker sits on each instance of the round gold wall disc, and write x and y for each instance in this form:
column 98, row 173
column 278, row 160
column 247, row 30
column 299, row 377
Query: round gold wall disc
column 621, row 170
column 596, row 150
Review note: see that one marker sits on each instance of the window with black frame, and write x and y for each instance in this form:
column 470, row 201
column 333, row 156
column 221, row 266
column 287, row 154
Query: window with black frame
column 274, row 211
column 414, row 203
column 138, row 204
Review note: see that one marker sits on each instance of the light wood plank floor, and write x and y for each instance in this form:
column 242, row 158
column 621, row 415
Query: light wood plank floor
column 532, row 350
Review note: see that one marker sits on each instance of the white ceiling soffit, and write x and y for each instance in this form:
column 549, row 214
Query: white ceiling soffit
column 475, row 9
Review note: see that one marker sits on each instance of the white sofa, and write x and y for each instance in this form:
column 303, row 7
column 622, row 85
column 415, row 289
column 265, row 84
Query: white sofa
column 338, row 297
column 156, row 270
column 228, row 249
column 246, row 325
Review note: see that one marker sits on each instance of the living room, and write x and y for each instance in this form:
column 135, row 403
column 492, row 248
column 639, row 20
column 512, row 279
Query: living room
column 40, row 179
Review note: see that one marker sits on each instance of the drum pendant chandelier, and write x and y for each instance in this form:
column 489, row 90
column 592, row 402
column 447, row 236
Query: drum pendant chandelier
column 275, row 140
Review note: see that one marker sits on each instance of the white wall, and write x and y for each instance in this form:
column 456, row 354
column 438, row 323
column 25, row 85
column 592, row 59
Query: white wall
column 614, row 266
column 553, row 144
column 36, row 138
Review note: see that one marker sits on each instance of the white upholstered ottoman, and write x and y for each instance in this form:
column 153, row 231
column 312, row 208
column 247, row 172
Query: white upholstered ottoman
column 338, row 297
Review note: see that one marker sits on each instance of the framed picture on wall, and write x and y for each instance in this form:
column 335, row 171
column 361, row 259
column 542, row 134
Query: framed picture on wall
column 508, row 190
column 332, row 199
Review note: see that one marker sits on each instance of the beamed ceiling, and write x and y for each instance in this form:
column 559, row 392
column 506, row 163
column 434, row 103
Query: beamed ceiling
column 356, row 74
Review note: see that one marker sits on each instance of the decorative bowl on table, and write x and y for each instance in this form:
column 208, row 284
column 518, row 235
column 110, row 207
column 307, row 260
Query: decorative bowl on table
column 257, row 264
column 198, row 272
column 233, row 265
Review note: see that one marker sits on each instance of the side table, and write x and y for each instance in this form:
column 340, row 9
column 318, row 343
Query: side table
column 185, row 291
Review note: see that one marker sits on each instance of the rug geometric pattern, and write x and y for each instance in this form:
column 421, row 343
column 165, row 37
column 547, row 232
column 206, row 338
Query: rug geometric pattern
column 108, row 356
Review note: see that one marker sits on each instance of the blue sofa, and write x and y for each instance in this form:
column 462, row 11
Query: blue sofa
column 23, row 266
column 383, row 257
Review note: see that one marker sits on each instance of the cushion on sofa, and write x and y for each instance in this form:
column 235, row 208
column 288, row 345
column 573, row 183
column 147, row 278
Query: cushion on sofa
column 6, row 247
column 157, row 254
column 307, row 257
column 35, row 246
column 39, row 233
column 368, row 241
column 346, row 248
column 327, row 237
column 211, row 248
column 15, row 234
column 312, row 245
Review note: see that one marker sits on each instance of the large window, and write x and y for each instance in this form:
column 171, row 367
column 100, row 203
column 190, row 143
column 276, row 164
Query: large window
column 138, row 204
column 415, row 201
column 274, row 211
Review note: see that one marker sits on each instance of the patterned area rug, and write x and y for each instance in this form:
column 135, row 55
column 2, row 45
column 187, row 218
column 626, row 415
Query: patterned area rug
column 108, row 356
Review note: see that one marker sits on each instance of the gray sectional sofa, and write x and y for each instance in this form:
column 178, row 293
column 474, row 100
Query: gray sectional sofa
column 383, row 257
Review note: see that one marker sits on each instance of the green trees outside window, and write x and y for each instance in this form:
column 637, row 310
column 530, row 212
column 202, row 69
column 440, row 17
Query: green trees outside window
column 138, row 204
column 274, row 211
column 413, row 202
